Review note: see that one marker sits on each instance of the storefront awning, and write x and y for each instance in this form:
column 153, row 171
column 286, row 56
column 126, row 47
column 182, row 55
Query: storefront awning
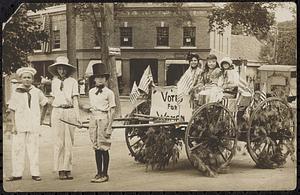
column 89, row 69
column 177, row 62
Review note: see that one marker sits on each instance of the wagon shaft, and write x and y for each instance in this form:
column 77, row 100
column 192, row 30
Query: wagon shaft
column 149, row 125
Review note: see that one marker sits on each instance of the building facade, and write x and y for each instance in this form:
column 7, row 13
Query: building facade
column 147, row 34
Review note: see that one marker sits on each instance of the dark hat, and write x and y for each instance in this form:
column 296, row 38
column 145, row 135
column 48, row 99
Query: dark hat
column 61, row 60
column 99, row 70
column 211, row 57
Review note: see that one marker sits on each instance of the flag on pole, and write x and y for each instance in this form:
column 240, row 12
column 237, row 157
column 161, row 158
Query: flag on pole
column 46, row 27
column 243, row 86
column 146, row 80
column 184, row 85
column 264, row 90
column 134, row 93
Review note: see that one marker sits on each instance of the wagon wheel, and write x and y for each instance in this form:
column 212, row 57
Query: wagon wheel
column 271, row 134
column 135, row 137
column 211, row 137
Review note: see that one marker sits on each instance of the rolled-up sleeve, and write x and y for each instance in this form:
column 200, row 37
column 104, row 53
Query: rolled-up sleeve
column 12, row 102
column 75, row 91
column 42, row 98
column 111, row 100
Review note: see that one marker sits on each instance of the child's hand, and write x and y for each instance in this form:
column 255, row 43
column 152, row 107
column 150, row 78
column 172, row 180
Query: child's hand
column 13, row 130
column 107, row 135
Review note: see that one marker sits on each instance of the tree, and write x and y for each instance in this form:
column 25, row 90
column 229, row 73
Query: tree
column 287, row 43
column 103, row 13
column 253, row 18
column 280, row 45
column 20, row 36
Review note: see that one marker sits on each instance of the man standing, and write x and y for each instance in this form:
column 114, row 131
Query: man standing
column 25, row 110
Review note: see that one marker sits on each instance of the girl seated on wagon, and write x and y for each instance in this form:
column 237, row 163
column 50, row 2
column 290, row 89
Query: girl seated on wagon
column 230, row 78
column 210, row 82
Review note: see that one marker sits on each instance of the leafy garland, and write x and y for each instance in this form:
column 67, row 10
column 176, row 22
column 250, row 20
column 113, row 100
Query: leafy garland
column 273, row 136
column 161, row 147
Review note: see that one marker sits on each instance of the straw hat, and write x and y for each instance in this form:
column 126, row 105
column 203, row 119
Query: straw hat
column 61, row 60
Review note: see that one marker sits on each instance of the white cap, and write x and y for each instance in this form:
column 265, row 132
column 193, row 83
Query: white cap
column 22, row 70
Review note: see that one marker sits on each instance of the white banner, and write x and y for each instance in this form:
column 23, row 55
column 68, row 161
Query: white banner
column 164, row 103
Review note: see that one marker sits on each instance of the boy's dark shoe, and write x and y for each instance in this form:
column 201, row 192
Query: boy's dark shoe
column 36, row 178
column 68, row 175
column 13, row 178
column 62, row 175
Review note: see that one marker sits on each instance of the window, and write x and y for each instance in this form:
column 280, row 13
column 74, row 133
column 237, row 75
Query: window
column 56, row 39
column 189, row 36
column 293, row 74
column 162, row 36
column 126, row 36
column 97, row 41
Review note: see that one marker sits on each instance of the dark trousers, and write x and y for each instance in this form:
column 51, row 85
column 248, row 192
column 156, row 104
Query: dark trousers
column 102, row 161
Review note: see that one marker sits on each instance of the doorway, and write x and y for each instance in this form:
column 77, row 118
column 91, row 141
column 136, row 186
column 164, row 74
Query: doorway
column 138, row 66
column 174, row 73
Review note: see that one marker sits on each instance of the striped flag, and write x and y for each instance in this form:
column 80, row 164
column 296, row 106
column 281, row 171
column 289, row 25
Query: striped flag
column 134, row 93
column 146, row 80
column 184, row 85
column 243, row 86
column 46, row 45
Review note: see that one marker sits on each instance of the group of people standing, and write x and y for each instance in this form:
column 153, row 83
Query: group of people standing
column 24, row 107
column 212, row 81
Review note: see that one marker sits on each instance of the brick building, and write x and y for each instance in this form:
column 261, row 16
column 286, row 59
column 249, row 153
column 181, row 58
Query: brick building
column 147, row 33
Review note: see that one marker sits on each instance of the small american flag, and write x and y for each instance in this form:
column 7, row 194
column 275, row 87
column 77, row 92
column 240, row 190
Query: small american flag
column 46, row 45
column 184, row 85
column 134, row 93
column 146, row 80
column 243, row 86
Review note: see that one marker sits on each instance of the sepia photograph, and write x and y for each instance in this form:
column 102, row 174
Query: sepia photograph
column 149, row 96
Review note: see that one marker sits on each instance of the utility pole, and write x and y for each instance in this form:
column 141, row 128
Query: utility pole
column 71, row 35
column 107, row 25
column 275, row 44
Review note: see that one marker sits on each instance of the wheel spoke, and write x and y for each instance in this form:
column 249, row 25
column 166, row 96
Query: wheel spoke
column 140, row 149
column 136, row 142
column 221, row 154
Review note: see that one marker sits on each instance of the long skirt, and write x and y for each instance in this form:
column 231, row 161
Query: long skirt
column 98, row 130
column 63, row 138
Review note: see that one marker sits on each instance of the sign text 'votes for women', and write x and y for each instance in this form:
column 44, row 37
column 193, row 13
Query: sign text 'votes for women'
column 164, row 103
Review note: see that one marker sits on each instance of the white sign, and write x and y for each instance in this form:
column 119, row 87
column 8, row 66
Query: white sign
column 114, row 51
column 164, row 103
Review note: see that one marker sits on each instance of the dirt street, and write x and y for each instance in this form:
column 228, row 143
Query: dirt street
column 128, row 175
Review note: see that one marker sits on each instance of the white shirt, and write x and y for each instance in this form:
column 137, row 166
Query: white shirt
column 64, row 96
column 103, row 101
column 27, row 119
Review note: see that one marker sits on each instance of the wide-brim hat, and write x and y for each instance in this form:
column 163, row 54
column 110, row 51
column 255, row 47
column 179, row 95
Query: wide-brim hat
column 100, row 70
column 64, row 61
